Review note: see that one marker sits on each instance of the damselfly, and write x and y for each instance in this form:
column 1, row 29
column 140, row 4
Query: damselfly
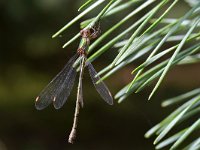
column 58, row 90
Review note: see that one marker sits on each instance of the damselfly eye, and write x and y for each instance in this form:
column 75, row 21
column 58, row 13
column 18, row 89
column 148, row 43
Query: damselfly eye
column 92, row 30
column 88, row 32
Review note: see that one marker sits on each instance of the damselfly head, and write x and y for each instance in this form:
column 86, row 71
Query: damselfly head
column 91, row 32
column 85, row 33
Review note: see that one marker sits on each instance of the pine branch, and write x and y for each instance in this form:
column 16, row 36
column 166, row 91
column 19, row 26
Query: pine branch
column 148, row 35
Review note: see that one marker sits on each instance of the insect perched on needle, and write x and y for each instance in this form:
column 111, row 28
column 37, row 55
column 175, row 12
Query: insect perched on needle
column 58, row 90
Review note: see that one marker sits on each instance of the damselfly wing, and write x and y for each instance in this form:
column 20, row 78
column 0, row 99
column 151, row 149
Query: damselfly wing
column 101, row 87
column 58, row 90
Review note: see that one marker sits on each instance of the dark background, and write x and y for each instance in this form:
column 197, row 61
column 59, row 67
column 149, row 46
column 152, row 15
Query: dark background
column 29, row 59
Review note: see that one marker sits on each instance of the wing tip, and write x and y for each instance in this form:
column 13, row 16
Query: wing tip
column 111, row 102
column 110, row 99
column 56, row 105
column 38, row 105
column 38, row 108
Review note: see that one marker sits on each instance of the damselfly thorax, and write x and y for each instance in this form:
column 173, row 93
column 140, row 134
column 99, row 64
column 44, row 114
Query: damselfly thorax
column 87, row 35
